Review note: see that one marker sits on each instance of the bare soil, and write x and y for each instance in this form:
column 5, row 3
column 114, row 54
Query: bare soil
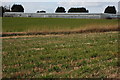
column 6, row 34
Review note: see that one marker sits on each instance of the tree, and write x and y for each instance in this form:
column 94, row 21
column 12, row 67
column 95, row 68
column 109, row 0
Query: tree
column 60, row 10
column 41, row 11
column 1, row 11
column 78, row 10
column 17, row 8
column 6, row 9
column 110, row 10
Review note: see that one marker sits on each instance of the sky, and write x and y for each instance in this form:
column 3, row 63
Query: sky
column 60, row 0
column 94, row 6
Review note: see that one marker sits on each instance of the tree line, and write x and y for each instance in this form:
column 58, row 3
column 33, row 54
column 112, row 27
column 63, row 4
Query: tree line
column 14, row 8
column 19, row 8
column 71, row 10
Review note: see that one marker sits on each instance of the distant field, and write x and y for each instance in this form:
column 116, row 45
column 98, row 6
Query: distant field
column 92, row 55
column 54, row 24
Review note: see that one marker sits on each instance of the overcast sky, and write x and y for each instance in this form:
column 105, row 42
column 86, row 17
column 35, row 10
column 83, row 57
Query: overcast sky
column 59, row 0
column 94, row 6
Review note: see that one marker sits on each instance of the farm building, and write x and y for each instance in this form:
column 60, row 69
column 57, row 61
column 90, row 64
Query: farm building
column 62, row 15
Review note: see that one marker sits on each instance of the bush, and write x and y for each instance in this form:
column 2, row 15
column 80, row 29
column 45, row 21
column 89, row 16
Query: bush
column 79, row 10
column 17, row 8
column 110, row 10
column 60, row 10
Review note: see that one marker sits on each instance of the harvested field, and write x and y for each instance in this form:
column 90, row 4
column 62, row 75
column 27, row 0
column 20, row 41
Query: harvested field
column 93, row 55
